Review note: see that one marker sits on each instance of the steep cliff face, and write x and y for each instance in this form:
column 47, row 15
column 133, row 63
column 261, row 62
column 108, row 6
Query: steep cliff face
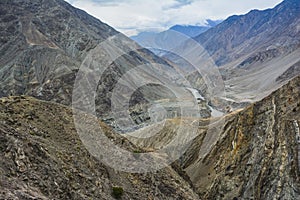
column 256, row 155
column 42, row 157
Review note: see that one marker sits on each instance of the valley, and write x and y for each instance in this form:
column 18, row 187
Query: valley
column 88, row 113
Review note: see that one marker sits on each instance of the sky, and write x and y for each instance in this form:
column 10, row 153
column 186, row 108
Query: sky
column 133, row 16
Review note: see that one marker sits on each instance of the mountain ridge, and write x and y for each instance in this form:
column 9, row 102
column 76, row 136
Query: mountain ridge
column 157, row 41
column 257, row 22
column 247, row 49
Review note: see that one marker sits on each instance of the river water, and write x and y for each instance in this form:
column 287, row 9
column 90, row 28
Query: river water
column 198, row 96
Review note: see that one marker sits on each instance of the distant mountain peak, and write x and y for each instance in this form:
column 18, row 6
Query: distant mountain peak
column 190, row 30
column 155, row 40
column 213, row 23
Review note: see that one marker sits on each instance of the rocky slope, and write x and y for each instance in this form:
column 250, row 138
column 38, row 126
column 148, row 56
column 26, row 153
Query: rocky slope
column 43, row 41
column 262, row 32
column 42, row 157
column 249, row 154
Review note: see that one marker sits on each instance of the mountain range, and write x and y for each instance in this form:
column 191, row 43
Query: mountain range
column 253, row 51
column 156, row 42
column 251, row 151
column 193, row 31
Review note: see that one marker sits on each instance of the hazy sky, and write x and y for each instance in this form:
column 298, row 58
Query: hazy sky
column 133, row 16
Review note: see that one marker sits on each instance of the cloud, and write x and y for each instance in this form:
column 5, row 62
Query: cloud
column 110, row 2
column 100, row 2
column 179, row 4
column 133, row 16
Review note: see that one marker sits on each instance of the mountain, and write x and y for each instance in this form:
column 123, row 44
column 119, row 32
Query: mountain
column 167, row 38
column 250, row 153
column 190, row 31
column 193, row 31
column 44, row 44
column 255, row 52
column 257, row 30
